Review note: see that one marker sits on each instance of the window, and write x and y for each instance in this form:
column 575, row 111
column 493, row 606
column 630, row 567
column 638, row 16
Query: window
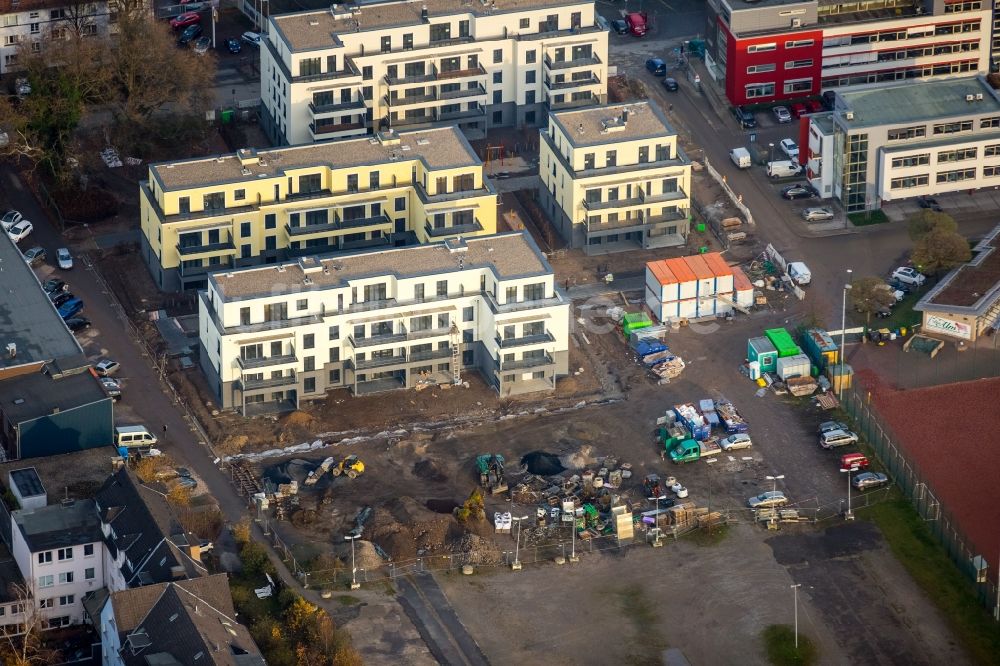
column 66, row 577
column 440, row 32
column 375, row 292
column 64, row 554
column 366, row 72
column 308, row 341
column 46, row 581
column 334, row 354
column 335, row 332
column 760, row 69
column 908, row 181
column 309, row 385
column 270, row 221
column 525, row 24
column 244, row 229
column 46, row 603
column 761, row 48
column 529, row 97
column 956, row 175
column 798, row 86
column 442, row 288
column 309, row 363
column 798, row 64
column 992, row 150
column 956, row 7
column 67, row 600
column 953, row 127
column 335, row 376
column 498, row 77
column 959, row 155
column 352, row 182
column 57, row 14
column 88, row 550
column 760, row 90
column 798, row 43
column 35, row 28
column 469, row 313
column 922, row 159
column 905, row 133
column 302, row 304
column 986, row 123
column 497, row 56
column 373, row 180
column 611, row 158
column 530, row 56
column 991, row 171
column 529, row 76
column 310, row 183
column 408, row 41
column 400, row 204
column 45, row 558
column 386, row 44
column 534, row 292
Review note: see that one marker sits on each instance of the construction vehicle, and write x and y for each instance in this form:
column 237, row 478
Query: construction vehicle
column 323, row 468
column 651, row 485
column 491, row 476
column 351, row 466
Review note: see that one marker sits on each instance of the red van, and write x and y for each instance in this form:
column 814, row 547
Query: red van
column 637, row 22
column 853, row 460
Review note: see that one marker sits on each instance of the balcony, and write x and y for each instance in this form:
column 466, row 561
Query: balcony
column 635, row 223
column 458, row 195
column 204, row 250
column 613, row 204
column 381, row 339
column 454, row 230
column 592, row 80
column 320, row 132
column 360, row 222
column 378, row 362
column 553, row 33
column 302, row 232
column 266, row 361
column 478, row 91
column 349, row 71
column 526, row 363
column 477, row 112
column 430, row 355
column 408, row 100
column 524, row 341
column 519, row 306
column 195, row 271
column 661, row 197
column 245, row 384
column 468, row 73
column 323, row 109
column 590, row 100
column 589, row 61
column 274, row 325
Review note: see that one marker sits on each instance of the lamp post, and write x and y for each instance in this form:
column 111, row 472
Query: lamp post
column 516, row 565
column 849, row 515
column 770, row 147
column 843, row 336
column 572, row 532
column 795, row 595
column 656, row 521
column 774, row 479
column 354, row 570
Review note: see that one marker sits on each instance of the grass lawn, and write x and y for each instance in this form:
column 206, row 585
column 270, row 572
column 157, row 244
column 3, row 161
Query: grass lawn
column 926, row 561
column 779, row 642
column 903, row 314
column 865, row 218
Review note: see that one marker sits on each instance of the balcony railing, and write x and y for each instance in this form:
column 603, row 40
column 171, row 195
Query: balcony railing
column 380, row 362
column 478, row 91
column 525, row 340
column 477, row 112
column 226, row 247
column 426, row 198
column 274, row 325
column 461, row 73
column 441, row 232
column 525, row 363
column 319, row 131
column 615, row 203
column 572, row 83
column 380, row 339
column 589, row 100
column 635, row 222
column 191, row 271
column 550, row 33
column 677, row 195
column 430, row 355
column 255, row 384
column 360, row 222
column 518, row 306
column 588, row 61
column 354, row 105
column 408, row 100
column 265, row 361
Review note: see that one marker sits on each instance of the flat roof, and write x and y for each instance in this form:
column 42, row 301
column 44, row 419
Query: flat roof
column 918, row 101
column 512, row 255
column 972, row 288
column 739, row 5
column 28, row 397
column 27, row 317
column 605, row 124
column 316, row 29
column 27, row 482
column 58, row 525
column 439, row 148
column 690, row 268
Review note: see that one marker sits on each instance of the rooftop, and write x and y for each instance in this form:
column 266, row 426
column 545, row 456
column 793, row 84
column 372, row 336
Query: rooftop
column 971, row 288
column 71, row 523
column 27, row 482
column 27, row 317
column 738, row 5
column 511, row 254
column 918, row 102
column 315, row 29
column 439, row 148
column 28, row 397
column 610, row 124
column 10, row 575
column 690, row 268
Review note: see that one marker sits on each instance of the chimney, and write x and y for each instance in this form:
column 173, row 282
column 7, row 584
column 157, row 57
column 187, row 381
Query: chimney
column 423, row 13
column 624, row 116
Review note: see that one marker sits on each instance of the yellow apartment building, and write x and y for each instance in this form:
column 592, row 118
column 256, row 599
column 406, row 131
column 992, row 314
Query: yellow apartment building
column 614, row 178
column 254, row 207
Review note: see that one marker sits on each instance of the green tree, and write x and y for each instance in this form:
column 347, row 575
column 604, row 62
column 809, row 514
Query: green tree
column 940, row 250
column 868, row 295
column 929, row 220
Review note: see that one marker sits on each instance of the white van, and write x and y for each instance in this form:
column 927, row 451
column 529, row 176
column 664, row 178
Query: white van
column 783, row 169
column 799, row 273
column 741, row 158
column 134, row 436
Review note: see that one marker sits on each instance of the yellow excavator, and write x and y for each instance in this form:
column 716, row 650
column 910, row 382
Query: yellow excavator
column 351, row 466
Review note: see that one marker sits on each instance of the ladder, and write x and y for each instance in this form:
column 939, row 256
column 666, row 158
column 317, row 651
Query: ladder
column 456, row 355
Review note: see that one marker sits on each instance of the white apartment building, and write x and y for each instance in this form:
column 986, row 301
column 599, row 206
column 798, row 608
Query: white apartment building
column 614, row 178
column 418, row 63
column 274, row 336
column 906, row 140
column 35, row 21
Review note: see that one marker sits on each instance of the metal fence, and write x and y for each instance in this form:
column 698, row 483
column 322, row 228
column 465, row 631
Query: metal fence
column 912, row 483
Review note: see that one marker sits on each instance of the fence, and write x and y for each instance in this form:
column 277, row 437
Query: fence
column 736, row 199
column 907, row 476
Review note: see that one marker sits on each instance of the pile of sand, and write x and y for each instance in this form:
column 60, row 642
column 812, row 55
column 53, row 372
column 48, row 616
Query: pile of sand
column 365, row 556
column 406, row 530
column 477, row 549
column 579, row 459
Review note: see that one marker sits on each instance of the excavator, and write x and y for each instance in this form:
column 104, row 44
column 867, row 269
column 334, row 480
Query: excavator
column 351, row 466
column 491, row 477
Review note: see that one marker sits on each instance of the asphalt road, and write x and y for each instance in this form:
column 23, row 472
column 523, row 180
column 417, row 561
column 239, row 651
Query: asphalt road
column 437, row 622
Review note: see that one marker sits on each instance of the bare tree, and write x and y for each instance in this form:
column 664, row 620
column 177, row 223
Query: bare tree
column 26, row 648
column 871, row 294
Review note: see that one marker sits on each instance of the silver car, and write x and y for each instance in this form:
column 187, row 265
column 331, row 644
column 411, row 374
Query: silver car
column 834, row 438
column 767, row 500
column 734, row 442
column 827, row 426
column 867, row 480
column 817, row 214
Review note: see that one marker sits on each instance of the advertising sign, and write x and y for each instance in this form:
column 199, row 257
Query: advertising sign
column 955, row 329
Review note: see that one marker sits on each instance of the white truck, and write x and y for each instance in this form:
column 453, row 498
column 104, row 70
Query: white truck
column 741, row 158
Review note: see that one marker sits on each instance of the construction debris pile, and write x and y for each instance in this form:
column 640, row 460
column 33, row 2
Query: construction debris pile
column 646, row 343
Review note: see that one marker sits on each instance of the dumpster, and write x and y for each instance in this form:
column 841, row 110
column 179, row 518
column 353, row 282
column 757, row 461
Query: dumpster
column 783, row 342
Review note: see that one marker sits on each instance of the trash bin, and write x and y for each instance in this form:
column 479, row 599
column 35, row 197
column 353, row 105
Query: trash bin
column 700, row 227
column 227, row 116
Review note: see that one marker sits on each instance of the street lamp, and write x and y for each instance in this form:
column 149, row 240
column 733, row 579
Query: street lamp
column 354, row 570
column 770, row 146
column 853, row 468
column 795, row 594
column 516, row 565
column 843, row 335
column 656, row 522
column 572, row 527
column 774, row 486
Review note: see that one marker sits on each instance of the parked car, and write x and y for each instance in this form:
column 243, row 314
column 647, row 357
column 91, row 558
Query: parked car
column 827, row 426
column 106, row 367
column 64, row 258
column 929, row 202
column 789, row 148
column 853, row 461
column 868, row 480
column 814, row 106
column 798, row 109
column 670, row 84
column 112, row 387
column 251, row 37
column 77, row 324
column 907, row 275
column 767, row 500
column 22, row 86
column 70, row 308
column 35, row 256
column 800, row 273
column 61, row 297
column 734, row 442
column 656, row 66
column 202, row 45
column 834, row 438
column 781, row 114
column 9, row 219
column 234, row 45
column 189, row 34
column 185, row 20
column 20, row 231
column 817, row 214
column 54, row 285
column 744, row 117
column 800, row 191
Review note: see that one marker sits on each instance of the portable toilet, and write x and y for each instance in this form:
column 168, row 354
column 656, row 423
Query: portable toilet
column 783, row 342
column 820, row 347
column 761, row 351
column 754, row 367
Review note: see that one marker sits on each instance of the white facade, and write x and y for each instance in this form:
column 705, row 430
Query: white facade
column 34, row 22
column 385, row 320
column 695, row 286
column 413, row 64
column 110, row 640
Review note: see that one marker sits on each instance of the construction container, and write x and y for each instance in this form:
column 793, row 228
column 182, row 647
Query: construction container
column 633, row 321
column 761, row 351
column 794, row 366
column 783, row 342
column 693, row 286
column 694, row 421
column 837, row 381
column 820, row 347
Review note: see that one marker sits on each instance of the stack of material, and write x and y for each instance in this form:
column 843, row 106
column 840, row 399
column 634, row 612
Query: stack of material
column 730, row 417
column 801, row 386
column 656, row 358
column 713, row 518
column 669, row 368
column 707, row 407
column 710, row 447
column 287, row 489
column 693, row 420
